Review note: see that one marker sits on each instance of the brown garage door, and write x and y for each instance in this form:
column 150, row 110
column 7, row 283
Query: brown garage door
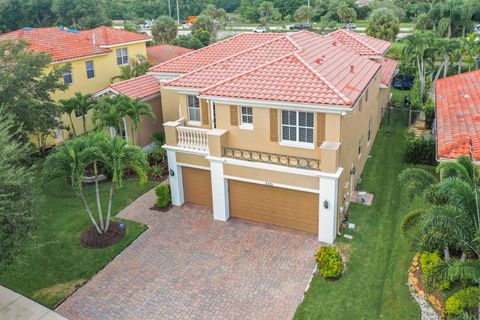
column 197, row 186
column 282, row 207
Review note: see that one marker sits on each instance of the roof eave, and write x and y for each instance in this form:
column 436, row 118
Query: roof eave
column 124, row 43
column 80, row 58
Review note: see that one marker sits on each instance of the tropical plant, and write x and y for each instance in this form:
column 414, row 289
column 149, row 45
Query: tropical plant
column 267, row 13
column 420, row 150
column 109, row 112
column 383, row 24
column 164, row 29
column 346, row 14
column 135, row 110
column 205, row 24
column 163, row 196
column 329, row 262
column 304, row 14
column 155, row 172
column 136, row 67
column 83, row 104
column 214, row 13
column 188, row 41
column 68, row 107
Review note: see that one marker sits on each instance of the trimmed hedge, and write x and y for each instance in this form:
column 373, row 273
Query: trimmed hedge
column 329, row 262
column 420, row 150
column 163, row 196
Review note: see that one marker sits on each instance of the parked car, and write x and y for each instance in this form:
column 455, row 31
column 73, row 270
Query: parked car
column 260, row 30
column 350, row 26
column 186, row 26
column 403, row 81
column 300, row 26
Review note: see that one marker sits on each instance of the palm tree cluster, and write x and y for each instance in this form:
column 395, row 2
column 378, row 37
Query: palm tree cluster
column 73, row 159
column 450, row 224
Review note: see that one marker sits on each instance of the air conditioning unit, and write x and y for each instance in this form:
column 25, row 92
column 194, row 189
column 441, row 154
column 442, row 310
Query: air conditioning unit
column 362, row 196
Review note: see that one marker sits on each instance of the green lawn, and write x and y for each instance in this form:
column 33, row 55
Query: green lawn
column 374, row 285
column 53, row 262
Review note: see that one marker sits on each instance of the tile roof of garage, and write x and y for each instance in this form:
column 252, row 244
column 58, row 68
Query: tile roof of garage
column 163, row 52
column 388, row 70
column 320, row 71
column 64, row 44
column 458, row 115
column 141, row 87
column 362, row 44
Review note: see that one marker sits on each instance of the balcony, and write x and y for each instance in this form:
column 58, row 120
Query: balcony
column 192, row 138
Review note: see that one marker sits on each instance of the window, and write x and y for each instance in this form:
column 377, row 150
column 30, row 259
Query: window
column 246, row 117
column 369, row 135
column 193, row 108
column 297, row 126
column 90, row 71
column 122, row 56
column 68, row 77
column 360, row 147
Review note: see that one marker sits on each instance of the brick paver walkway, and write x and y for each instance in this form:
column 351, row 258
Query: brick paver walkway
column 188, row 266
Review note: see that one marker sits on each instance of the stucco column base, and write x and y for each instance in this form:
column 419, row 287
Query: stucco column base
column 328, row 207
column 176, row 181
column 219, row 190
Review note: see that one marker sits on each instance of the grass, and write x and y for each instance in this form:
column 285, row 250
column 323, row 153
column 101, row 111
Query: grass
column 52, row 263
column 374, row 285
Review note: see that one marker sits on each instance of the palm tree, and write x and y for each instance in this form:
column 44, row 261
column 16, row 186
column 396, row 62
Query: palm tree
column 135, row 110
column 110, row 112
column 83, row 104
column 68, row 107
column 136, row 67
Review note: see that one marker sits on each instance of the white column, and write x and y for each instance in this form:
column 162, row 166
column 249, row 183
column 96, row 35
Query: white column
column 327, row 216
column 219, row 190
column 175, row 177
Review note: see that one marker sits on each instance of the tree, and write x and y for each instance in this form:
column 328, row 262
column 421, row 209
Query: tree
column 81, row 14
column 346, row 14
column 203, row 36
column 136, row 67
column 383, row 24
column 304, row 14
column 17, row 188
column 83, row 104
column 267, row 13
column 164, row 29
column 109, row 112
column 68, row 107
column 136, row 109
column 188, row 41
column 214, row 13
column 26, row 89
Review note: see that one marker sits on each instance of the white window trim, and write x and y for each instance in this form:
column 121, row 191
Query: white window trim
column 297, row 144
column 194, row 122
column 245, row 125
column 294, row 144
column 122, row 56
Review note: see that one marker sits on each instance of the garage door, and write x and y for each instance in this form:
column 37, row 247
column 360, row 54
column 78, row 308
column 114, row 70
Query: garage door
column 197, row 186
column 278, row 206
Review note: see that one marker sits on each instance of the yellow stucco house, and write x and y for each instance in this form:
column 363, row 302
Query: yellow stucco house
column 274, row 128
column 95, row 57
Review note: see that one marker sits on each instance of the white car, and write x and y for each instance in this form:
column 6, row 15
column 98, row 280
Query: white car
column 260, row 30
column 186, row 26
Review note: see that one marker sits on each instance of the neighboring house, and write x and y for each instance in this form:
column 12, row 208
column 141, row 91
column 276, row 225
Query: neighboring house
column 146, row 88
column 163, row 52
column 457, row 116
column 274, row 128
column 95, row 57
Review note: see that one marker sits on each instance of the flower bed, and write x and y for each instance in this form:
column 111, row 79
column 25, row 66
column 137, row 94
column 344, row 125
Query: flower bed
column 415, row 280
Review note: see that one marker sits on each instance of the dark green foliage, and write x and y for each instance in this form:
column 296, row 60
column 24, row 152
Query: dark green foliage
column 383, row 24
column 429, row 109
column 420, row 150
column 188, row 41
column 163, row 196
column 164, row 29
column 203, row 36
column 81, row 14
column 159, row 137
column 329, row 262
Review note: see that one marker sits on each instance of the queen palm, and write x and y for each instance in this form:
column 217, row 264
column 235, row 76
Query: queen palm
column 110, row 111
column 68, row 107
column 83, row 104
column 136, row 109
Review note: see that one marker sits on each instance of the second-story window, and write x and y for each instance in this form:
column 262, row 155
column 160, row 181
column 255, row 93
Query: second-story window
column 68, row 77
column 90, row 71
column 193, row 108
column 297, row 126
column 246, row 117
column 122, row 56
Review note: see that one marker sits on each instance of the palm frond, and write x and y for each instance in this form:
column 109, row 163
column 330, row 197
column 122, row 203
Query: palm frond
column 412, row 219
column 416, row 180
column 452, row 169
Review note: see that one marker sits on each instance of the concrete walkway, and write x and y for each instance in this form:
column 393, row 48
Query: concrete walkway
column 15, row 306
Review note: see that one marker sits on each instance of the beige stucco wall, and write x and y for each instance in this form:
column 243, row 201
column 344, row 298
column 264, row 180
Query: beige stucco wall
column 196, row 160
column 170, row 102
column 148, row 126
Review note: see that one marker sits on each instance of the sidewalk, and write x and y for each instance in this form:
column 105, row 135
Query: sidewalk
column 16, row 306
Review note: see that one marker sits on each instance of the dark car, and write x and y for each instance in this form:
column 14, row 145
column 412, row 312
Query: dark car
column 350, row 26
column 403, row 82
column 300, row 26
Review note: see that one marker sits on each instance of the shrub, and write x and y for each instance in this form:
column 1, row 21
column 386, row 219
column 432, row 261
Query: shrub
column 155, row 172
column 159, row 137
column 163, row 196
column 329, row 262
column 467, row 298
column 420, row 150
column 429, row 109
column 428, row 261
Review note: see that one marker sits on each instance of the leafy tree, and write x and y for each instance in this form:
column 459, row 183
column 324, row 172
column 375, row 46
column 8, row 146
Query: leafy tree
column 346, row 14
column 267, row 13
column 164, row 29
column 248, row 10
column 227, row 5
column 16, row 14
column 390, row 5
column 136, row 67
column 135, row 110
column 203, row 36
column 81, row 14
column 304, row 14
column 83, row 104
column 68, row 107
column 288, row 7
column 188, row 41
column 214, row 13
column 383, row 24
column 203, row 23
column 413, row 8
column 26, row 89
column 17, row 188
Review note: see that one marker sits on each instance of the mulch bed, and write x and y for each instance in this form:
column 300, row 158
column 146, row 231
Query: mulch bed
column 161, row 209
column 91, row 239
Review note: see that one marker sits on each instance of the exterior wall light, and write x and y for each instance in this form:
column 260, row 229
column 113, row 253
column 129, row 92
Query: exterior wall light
column 171, row 172
column 325, row 204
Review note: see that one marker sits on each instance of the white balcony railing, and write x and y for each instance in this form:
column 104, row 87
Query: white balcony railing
column 192, row 138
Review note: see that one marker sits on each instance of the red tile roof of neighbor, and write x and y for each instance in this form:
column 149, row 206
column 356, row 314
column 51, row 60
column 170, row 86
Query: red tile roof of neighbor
column 457, row 101
column 163, row 52
column 141, row 87
column 64, row 44
column 362, row 44
column 388, row 70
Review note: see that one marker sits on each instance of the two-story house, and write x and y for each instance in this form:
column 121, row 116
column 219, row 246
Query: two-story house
column 274, row 128
column 95, row 57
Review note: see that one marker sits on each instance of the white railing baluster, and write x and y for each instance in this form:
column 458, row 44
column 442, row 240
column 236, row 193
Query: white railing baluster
column 192, row 138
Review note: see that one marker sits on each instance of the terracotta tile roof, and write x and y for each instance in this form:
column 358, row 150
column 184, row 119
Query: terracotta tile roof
column 163, row 52
column 140, row 87
column 388, row 70
column 64, row 44
column 362, row 44
column 457, row 101
column 215, row 52
column 319, row 72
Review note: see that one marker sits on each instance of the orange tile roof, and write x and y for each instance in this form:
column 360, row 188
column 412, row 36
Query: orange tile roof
column 65, row 44
column 163, row 52
column 362, row 44
column 141, row 87
column 388, row 70
column 457, row 100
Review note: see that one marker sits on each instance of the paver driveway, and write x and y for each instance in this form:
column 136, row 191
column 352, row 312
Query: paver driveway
column 187, row 266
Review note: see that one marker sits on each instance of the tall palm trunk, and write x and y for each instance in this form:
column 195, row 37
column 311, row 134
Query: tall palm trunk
column 71, row 124
column 84, row 124
column 446, row 252
column 460, row 62
column 97, row 193
column 89, row 212
column 109, row 210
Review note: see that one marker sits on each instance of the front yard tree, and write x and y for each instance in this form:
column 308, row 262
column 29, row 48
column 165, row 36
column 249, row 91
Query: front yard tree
column 68, row 107
column 109, row 113
column 164, row 29
column 214, row 13
column 304, row 14
column 83, row 104
column 383, row 24
column 17, row 191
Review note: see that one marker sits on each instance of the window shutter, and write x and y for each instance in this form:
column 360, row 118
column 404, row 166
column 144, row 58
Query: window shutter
column 273, row 125
column 234, row 115
column 320, row 128
column 204, row 110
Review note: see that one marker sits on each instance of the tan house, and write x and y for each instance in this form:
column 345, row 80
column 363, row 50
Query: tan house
column 274, row 128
